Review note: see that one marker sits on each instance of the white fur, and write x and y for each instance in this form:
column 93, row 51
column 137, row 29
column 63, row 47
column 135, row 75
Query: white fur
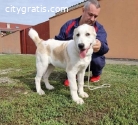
column 70, row 60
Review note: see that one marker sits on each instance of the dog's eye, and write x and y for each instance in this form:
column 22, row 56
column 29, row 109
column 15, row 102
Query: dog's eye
column 87, row 34
column 77, row 34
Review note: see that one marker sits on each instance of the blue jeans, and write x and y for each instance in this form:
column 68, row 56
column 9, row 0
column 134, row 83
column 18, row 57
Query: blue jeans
column 97, row 64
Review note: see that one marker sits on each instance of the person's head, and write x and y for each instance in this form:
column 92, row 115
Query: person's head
column 90, row 13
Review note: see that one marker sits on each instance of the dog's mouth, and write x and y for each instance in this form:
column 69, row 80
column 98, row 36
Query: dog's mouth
column 83, row 52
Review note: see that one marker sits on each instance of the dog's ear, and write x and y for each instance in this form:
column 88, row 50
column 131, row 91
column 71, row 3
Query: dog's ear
column 94, row 32
column 74, row 33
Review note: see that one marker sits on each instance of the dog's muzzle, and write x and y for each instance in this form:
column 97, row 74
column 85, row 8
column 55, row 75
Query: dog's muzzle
column 83, row 50
column 81, row 46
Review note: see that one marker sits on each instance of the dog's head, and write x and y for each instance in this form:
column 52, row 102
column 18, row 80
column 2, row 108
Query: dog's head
column 84, row 37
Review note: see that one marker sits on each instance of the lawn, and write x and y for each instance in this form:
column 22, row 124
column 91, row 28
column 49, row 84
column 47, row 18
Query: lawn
column 21, row 105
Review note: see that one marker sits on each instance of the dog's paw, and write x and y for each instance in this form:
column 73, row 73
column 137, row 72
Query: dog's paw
column 49, row 87
column 41, row 92
column 79, row 101
column 84, row 95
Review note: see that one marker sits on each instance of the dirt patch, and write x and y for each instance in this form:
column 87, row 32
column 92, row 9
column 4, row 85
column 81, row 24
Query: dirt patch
column 8, row 93
column 6, row 71
column 5, row 80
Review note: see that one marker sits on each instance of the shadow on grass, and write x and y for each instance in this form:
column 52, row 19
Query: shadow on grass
column 56, row 79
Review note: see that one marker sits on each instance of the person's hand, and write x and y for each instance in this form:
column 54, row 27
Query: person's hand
column 97, row 46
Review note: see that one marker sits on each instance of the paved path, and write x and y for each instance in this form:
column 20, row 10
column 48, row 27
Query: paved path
column 122, row 61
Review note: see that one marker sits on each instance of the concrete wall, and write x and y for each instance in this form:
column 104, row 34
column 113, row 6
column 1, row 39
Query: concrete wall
column 120, row 20
column 10, row 43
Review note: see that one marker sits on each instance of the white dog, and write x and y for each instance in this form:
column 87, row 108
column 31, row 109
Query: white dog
column 73, row 55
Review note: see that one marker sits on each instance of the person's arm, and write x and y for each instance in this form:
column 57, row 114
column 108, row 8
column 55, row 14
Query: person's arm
column 62, row 33
column 102, row 36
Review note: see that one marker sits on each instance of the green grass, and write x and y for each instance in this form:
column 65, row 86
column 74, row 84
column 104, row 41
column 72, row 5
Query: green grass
column 21, row 105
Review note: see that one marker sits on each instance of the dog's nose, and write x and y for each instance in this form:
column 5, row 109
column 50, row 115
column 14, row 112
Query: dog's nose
column 81, row 45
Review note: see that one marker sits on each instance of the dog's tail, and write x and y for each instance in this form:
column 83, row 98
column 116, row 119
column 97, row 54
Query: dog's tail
column 34, row 36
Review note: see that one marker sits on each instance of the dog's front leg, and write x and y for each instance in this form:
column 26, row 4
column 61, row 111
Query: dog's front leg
column 73, row 88
column 80, row 77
